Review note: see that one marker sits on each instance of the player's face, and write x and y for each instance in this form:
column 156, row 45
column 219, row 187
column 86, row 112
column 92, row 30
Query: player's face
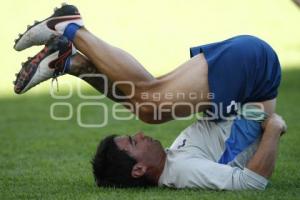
column 142, row 148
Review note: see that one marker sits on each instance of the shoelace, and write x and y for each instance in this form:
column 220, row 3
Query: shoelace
column 54, row 78
column 56, row 74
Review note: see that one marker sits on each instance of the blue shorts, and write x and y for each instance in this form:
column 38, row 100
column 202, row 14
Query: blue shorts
column 241, row 69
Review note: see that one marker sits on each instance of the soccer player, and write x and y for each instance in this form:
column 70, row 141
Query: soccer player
column 215, row 152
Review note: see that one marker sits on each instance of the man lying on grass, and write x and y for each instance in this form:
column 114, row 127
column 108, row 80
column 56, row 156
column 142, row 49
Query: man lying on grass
column 230, row 148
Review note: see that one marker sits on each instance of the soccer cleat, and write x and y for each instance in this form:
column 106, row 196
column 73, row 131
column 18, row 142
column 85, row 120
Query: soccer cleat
column 48, row 63
column 40, row 32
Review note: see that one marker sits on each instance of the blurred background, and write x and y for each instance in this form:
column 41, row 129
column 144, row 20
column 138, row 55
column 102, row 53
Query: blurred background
column 41, row 158
column 158, row 33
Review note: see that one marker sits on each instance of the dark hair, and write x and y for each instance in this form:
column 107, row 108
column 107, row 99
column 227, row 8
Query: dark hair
column 112, row 167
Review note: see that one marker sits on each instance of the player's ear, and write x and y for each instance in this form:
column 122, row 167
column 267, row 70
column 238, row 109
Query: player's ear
column 138, row 170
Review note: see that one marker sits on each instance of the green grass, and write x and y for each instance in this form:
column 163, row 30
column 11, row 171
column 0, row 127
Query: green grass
column 45, row 159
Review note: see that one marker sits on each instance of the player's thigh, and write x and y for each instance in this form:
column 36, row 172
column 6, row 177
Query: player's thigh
column 267, row 106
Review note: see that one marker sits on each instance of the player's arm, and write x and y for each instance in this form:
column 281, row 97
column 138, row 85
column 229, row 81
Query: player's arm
column 208, row 174
column 263, row 161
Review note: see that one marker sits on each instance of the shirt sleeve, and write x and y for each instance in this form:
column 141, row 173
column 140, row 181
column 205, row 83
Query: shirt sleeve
column 207, row 174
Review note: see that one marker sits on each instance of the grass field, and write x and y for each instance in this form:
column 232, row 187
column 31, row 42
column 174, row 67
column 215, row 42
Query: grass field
column 41, row 158
column 45, row 159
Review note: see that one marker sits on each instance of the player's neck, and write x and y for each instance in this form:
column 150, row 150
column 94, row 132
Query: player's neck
column 154, row 173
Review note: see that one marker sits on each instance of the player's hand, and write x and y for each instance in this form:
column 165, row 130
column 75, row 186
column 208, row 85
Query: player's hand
column 275, row 123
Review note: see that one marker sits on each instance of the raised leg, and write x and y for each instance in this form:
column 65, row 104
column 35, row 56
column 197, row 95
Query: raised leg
column 81, row 66
column 173, row 89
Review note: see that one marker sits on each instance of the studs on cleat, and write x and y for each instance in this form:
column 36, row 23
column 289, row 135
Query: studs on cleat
column 16, row 40
column 20, row 35
column 64, row 4
column 28, row 27
column 35, row 22
column 55, row 9
column 16, row 74
column 22, row 64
